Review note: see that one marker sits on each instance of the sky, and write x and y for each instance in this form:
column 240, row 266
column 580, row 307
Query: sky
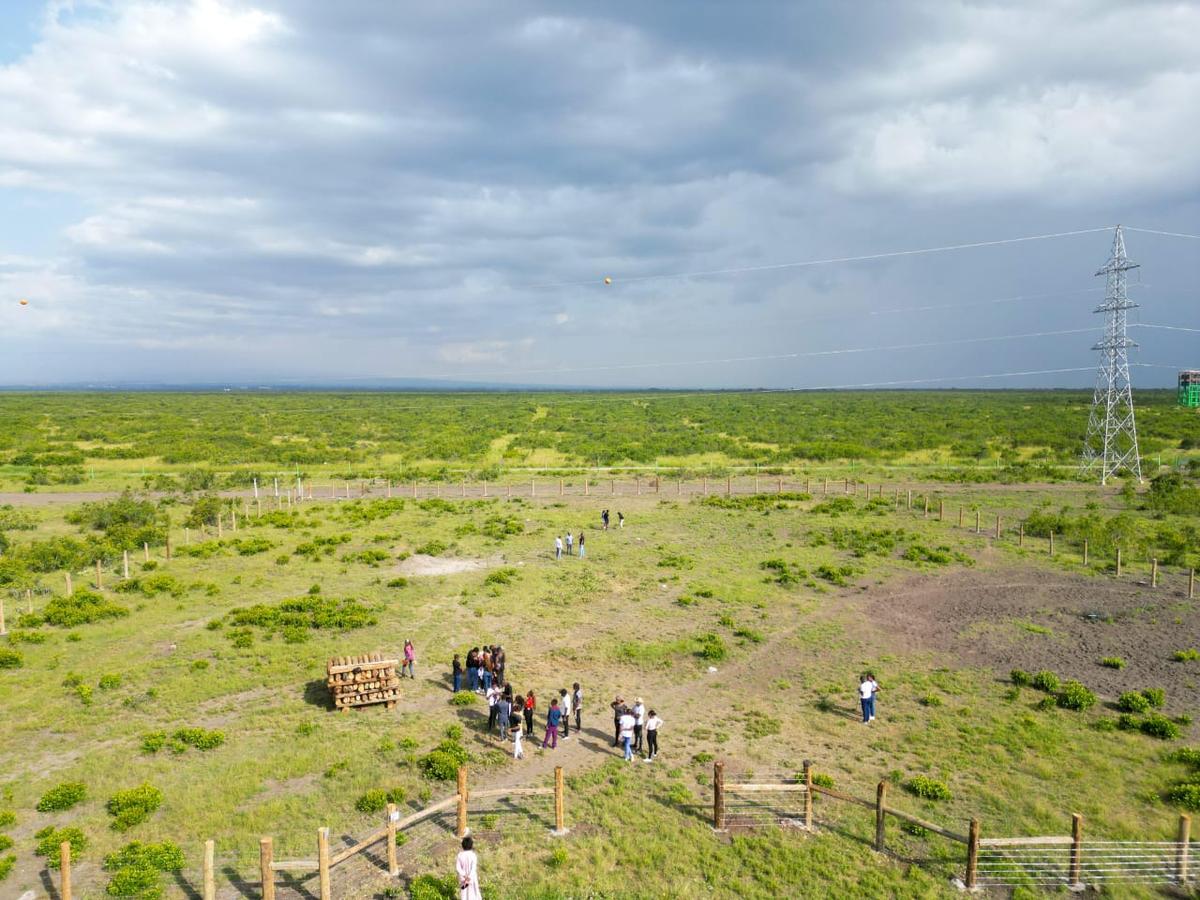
column 301, row 191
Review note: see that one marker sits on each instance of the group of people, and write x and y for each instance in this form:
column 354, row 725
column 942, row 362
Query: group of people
column 561, row 546
column 634, row 727
column 512, row 715
column 868, row 687
column 604, row 519
column 483, row 668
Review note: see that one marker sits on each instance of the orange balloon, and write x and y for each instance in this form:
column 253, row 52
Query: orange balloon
column 24, row 302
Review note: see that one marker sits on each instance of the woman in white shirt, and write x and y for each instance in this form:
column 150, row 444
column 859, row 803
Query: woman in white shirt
column 652, row 725
column 467, row 867
column 626, row 725
column 639, row 718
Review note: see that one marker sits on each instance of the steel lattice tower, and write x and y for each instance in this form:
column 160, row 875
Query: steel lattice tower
column 1111, row 442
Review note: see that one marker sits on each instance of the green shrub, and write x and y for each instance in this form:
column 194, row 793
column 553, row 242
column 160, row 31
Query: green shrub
column 81, row 608
column 8, row 818
column 49, row 839
column 1128, row 722
column 10, row 659
column 152, row 585
column 442, row 762
column 1189, row 655
column 927, row 788
column 1113, row 662
column 62, row 796
column 164, row 857
column 558, row 857
column 1045, row 681
column 501, row 576
column 200, row 738
column 710, row 646
column 1020, row 678
column 373, row 801
column 133, row 806
column 1133, row 702
column 462, row 698
column 1186, row 795
column 930, row 700
column 26, row 637
column 1159, row 726
column 109, row 682
column 153, row 741
column 433, row 548
column 7, row 864
column 1075, row 696
column 6, row 842
column 433, row 887
column 398, row 582
column 675, row 561
column 454, row 731
column 1189, row 756
column 307, row 612
column 1156, row 697
column 820, row 779
column 1046, row 704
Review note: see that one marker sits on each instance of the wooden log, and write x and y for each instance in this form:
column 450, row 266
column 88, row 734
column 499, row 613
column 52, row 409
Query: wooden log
column 64, row 865
column 972, row 854
column 1076, row 849
column 346, row 852
column 840, row 795
column 929, row 826
column 880, row 818
column 393, row 816
column 296, row 865
column 719, row 795
column 773, row 788
column 323, row 863
column 1041, row 841
column 210, row 881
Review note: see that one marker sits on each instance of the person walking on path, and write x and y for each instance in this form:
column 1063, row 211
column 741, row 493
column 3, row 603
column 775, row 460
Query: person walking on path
column 530, row 705
column 577, row 704
column 466, row 866
column 626, row 725
column 457, row 669
column 639, row 720
column 564, row 702
column 581, row 545
column 874, row 691
column 558, row 547
column 553, row 717
column 410, row 658
column 618, row 706
column 620, row 519
column 570, row 542
column 604, row 519
column 866, row 696
column 653, row 724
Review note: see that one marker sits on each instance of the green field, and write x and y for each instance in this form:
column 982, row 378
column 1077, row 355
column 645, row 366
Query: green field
column 191, row 677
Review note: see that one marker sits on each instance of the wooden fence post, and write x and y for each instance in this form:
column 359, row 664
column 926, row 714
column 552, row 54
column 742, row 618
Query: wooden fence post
column 1085, row 552
column 972, row 854
column 1052, row 543
column 64, row 862
column 941, row 508
column 3, row 629
column 1154, row 572
column 719, row 796
column 807, row 485
column 532, row 487
column 978, row 519
column 1021, row 535
column 825, row 491
column 997, row 528
column 779, row 486
column 393, row 816
column 323, row 863
column 808, row 796
column 1191, row 583
column 637, row 485
column 99, row 577
column 1118, row 562
column 146, row 550
column 756, row 484
column 70, row 587
column 560, row 487
column 559, row 811
column 125, row 564
column 210, row 883
column 585, row 487
column 910, row 498
column 704, row 485
column 925, row 515
column 679, row 488
column 462, row 802
column 880, row 797
column 266, row 855
column 728, row 485
column 1076, row 849
column 1181, row 852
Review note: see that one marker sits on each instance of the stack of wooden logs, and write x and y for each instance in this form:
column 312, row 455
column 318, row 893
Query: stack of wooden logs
column 362, row 680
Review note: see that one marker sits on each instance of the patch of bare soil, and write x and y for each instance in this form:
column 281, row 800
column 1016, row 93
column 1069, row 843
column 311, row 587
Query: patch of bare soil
column 1032, row 619
column 421, row 565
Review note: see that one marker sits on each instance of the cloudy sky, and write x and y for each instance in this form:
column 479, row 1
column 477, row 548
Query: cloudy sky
column 275, row 190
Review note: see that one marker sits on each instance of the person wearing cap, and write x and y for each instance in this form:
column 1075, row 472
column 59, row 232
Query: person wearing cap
column 618, row 706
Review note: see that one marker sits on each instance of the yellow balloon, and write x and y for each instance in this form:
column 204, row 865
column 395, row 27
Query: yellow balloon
column 24, row 302
column 607, row 280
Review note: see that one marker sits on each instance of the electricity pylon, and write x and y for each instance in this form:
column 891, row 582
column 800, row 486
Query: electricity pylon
column 1111, row 443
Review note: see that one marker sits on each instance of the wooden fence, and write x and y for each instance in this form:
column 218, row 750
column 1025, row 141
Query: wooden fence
column 1067, row 860
column 326, row 859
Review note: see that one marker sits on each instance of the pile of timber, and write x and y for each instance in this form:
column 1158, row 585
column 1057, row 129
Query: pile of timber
column 362, row 680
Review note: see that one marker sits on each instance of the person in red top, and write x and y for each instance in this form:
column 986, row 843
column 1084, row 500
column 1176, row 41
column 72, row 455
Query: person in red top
column 530, row 706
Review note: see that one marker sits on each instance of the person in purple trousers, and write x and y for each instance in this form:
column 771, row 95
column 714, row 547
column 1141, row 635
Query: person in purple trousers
column 553, row 717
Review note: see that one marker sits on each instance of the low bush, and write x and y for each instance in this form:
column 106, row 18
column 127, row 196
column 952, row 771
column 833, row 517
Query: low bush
column 8, row 818
column 432, row 887
column 1075, row 696
column 709, row 646
column 152, row 585
column 200, row 738
column 153, row 741
column 1186, row 795
column 109, row 682
column 1133, row 702
column 822, row 780
column 7, row 864
column 49, row 839
column 373, row 801
column 307, row 612
column 927, row 788
column 501, row 576
column 10, row 659
column 1045, row 681
column 462, row 698
column 1020, row 678
column 1189, row 756
column 433, row 548
column 785, row 573
column 1159, row 726
column 81, row 608
column 442, row 762
column 398, row 582
column 133, row 806
column 62, row 796
column 1113, row 662
column 136, row 869
column 1189, row 655
column 1156, row 697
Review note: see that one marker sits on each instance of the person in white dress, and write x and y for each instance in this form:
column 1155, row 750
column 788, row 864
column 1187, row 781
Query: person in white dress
column 467, row 868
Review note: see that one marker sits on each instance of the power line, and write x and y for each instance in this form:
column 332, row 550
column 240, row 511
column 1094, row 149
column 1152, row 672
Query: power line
column 1178, row 234
column 867, row 384
column 891, row 254
column 1020, row 298
column 1163, row 327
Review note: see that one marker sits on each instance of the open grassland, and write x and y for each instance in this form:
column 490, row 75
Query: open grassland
column 66, row 442
column 192, row 678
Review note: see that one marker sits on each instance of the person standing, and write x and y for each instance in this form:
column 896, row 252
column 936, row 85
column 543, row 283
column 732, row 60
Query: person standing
column 577, row 704
column 517, row 734
column 874, row 691
column 653, row 724
column 558, row 547
column 457, row 669
column 505, row 706
column 564, row 702
column 499, row 662
column 466, row 866
column 639, row 721
column 553, row 717
column 570, row 541
column 604, row 519
column 473, row 669
column 618, row 706
column 626, row 726
column 620, row 519
column 493, row 699
column 486, row 668
column 530, row 705
column 866, row 696
column 581, row 545
column 410, row 658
